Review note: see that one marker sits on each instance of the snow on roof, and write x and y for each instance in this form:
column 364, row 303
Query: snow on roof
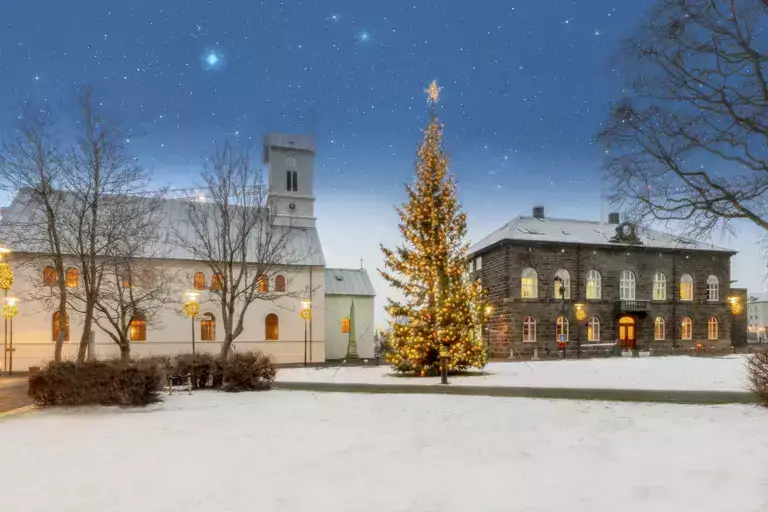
column 347, row 281
column 571, row 231
column 303, row 243
column 758, row 297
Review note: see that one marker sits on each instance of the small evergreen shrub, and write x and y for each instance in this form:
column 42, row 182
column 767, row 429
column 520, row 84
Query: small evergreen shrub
column 107, row 382
column 249, row 371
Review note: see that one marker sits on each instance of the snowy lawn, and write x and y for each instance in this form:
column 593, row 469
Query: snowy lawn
column 285, row 451
column 667, row 373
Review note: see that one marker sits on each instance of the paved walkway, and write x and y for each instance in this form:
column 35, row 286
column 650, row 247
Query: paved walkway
column 13, row 393
column 620, row 395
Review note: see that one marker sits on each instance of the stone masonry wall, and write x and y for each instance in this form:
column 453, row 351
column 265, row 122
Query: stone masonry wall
column 502, row 267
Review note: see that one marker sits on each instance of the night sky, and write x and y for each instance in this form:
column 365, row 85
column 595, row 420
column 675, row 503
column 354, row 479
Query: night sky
column 526, row 85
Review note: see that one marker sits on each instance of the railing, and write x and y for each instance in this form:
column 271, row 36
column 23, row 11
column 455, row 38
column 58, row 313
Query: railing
column 632, row 306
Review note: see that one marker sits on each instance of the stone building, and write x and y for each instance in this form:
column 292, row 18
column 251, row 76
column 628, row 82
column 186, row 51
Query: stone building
column 555, row 283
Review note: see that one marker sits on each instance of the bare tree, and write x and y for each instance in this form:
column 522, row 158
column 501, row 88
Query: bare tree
column 233, row 231
column 31, row 165
column 689, row 142
column 103, row 181
column 133, row 284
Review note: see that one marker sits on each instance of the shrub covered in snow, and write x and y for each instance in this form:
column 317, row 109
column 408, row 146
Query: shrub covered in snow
column 107, row 382
column 757, row 375
column 249, row 371
column 200, row 367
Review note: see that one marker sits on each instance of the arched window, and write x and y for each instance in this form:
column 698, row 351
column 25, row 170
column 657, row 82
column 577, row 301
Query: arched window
column 280, row 283
column 49, row 276
column 659, row 329
column 594, row 285
column 272, row 327
column 138, row 327
column 529, row 284
column 529, row 329
column 127, row 282
column 659, row 286
column 56, row 326
column 562, row 284
column 713, row 288
column 686, row 329
column 562, row 329
column 712, row 331
column 686, row 287
column 73, row 277
column 199, row 281
column 217, row 282
column 345, row 325
column 208, row 327
column 263, row 284
column 627, row 285
column 593, row 330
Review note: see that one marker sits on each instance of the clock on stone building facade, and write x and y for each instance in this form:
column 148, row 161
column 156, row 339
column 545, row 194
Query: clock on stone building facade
column 563, row 283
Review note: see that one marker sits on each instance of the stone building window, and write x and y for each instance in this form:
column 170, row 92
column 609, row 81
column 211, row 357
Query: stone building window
column 627, row 285
column 659, row 286
column 263, row 284
column 594, row 285
column 199, row 281
column 217, row 282
column 593, row 330
column 712, row 331
column 138, row 327
column 280, row 283
column 686, row 287
column 57, row 326
column 73, row 277
column 479, row 263
column 49, row 276
column 529, row 329
column 529, row 284
column 713, row 288
column 686, row 329
column 562, row 284
column 562, row 329
column 659, row 329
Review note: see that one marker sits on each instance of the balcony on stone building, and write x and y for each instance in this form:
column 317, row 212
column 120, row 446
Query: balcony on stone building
column 632, row 306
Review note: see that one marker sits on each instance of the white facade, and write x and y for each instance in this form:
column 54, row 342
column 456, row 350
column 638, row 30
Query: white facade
column 171, row 332
column 757, row 316
column 342, row 288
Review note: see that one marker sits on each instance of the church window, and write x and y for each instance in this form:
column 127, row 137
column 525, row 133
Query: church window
column 57, row 326
column 292, row 180
column 280, row 283
column 345, row 325
column 271, row 327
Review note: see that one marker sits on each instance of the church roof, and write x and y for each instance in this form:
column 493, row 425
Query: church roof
column 303, row 245
column 584, row 232
column 348, row 281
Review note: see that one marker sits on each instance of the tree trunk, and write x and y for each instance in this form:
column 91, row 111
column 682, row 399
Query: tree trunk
column 85, row 339
column 63, row 326
column 225, row 347
column 125, row 352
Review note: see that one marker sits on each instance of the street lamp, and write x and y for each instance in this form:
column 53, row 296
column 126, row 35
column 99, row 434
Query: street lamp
column 6, row 281
column 9, row 311
column 306, row 314
column 581, row 315
column 488, row 313
column 560, row 290
column 191, row 309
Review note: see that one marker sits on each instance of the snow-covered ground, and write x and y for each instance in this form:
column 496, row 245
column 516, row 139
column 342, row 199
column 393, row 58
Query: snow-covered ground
column 668, row 373
column 285, row 451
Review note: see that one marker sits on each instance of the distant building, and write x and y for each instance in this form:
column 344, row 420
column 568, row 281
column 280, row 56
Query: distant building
column 757, row 314
column 585, row 283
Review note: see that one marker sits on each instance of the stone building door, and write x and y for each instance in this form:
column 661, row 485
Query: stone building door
column 628, row 332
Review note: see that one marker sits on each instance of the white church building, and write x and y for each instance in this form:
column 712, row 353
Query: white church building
column 274, row 327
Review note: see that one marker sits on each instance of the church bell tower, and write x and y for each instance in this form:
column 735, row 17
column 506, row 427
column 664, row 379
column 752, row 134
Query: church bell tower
column 291, row 163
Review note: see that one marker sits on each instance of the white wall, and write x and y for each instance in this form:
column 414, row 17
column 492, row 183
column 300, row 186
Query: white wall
column 33, row 327
column 337, row 308
column 758, row 321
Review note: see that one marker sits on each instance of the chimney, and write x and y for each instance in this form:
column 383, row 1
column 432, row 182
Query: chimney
column 613, row 218
column 538, row 212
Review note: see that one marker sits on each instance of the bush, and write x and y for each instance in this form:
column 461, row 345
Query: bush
column 201, row 367
column 250, row 371
column 107, row 382
column 757, row 375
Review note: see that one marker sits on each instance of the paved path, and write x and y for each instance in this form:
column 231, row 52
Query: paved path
column 620, row 395
column 13, row 393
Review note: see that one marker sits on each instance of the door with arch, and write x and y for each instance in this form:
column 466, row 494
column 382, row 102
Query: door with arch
column 628, row 332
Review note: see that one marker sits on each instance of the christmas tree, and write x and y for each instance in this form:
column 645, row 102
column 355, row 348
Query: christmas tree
column 441, row 310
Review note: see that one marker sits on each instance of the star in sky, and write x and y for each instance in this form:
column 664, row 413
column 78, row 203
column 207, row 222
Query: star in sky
column 212, row 60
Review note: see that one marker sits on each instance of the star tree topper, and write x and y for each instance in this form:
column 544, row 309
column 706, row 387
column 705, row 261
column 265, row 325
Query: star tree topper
column 433, row 92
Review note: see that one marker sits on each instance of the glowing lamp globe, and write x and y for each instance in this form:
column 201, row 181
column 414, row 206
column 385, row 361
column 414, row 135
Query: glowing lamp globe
column 6, row 276
column 191, row 308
